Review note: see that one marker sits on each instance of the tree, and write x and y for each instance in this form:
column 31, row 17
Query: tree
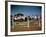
column 19, row 14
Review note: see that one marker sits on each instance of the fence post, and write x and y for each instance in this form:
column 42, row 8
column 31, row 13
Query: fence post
column 39, row 21
column 13, row 22
column 28, row 22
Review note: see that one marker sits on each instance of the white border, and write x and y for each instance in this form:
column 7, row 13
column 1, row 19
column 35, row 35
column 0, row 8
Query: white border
column 25, row 32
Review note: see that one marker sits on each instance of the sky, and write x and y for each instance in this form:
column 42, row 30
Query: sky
column 26, row 10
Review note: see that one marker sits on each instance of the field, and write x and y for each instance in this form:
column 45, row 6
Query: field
column 23, row 26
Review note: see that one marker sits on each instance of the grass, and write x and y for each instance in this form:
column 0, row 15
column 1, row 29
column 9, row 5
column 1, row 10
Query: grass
column 23, row 26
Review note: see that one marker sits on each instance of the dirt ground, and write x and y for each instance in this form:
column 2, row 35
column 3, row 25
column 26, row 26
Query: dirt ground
column 23, row 26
